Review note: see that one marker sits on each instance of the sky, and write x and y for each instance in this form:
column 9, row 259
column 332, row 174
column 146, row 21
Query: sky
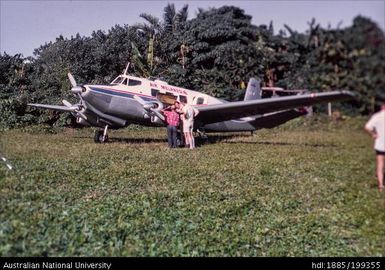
column 27, row 24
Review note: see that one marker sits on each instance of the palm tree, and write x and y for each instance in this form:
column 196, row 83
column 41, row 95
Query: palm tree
column 152, row 39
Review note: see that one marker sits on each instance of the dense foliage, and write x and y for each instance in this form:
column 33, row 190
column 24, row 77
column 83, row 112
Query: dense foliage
column 216, row 52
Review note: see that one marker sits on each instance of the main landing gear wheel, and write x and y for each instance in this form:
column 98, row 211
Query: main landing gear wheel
column 202, row 137
column 101, row 136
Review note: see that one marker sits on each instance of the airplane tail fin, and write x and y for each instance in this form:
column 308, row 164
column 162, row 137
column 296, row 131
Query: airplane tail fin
column 253, row 90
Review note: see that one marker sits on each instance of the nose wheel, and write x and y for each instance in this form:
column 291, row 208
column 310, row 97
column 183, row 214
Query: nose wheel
column 101, row 136
column 202, row 137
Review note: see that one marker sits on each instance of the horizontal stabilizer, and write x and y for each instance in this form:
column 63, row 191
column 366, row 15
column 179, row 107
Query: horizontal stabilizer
column 272, row 120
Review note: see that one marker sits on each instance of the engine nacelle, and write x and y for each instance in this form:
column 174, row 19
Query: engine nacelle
column 154, row 111
column 155, row 105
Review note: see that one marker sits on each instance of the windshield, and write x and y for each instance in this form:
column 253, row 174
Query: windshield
column 118, row 80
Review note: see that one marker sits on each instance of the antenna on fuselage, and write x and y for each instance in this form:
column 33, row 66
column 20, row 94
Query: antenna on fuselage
column 125, row 71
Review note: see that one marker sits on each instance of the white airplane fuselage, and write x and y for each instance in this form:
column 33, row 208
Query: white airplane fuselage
column 130, row 99
column 119, row 99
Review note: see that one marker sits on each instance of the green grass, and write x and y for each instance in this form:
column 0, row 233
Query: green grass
column 305, row 189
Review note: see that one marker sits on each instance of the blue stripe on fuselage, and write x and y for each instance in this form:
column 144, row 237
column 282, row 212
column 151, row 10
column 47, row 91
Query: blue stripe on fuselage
column 121, row 93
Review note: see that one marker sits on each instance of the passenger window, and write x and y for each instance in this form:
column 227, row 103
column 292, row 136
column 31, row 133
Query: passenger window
column 200, row 100
column 154, row 92
column 183, row 99
column 134, row 82
column 124, row 81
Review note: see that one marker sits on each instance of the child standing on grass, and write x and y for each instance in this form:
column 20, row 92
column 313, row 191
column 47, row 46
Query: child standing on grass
column 376, row 128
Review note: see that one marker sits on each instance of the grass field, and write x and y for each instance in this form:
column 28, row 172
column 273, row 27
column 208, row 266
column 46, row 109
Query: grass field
column 307, row 188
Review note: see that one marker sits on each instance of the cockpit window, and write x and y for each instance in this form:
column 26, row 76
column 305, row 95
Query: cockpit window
column 125, row 81
column 118, row 80
column 132, row 82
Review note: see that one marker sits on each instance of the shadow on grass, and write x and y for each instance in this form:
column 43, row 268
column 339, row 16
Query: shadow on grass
column 211, row 139
column 127, row 140
column 223, row 138
column 137, row 140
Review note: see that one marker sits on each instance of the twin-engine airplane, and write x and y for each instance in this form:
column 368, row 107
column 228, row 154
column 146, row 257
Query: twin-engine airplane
column 128, row 99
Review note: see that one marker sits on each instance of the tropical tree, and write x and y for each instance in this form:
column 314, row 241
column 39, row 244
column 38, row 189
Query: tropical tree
column 216, row 52
column 220, row 50
column 14, row 87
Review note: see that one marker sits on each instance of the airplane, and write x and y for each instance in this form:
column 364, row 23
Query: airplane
column 133, row 100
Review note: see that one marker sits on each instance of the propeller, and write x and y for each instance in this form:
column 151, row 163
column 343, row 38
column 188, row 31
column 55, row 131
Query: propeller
column 68, row 104
column 75, row 108
column 72, row 79
column 76, row 89
column 149, row 107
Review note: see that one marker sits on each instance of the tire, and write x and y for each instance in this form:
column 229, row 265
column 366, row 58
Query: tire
column 98, row 138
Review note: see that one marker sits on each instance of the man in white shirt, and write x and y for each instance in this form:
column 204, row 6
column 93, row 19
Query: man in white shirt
column 188, row 113
column 376, row 128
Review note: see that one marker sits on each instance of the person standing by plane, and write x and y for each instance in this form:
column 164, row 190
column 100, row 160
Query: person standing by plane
column 188, row 113
column 376, row 128
column 172, row 119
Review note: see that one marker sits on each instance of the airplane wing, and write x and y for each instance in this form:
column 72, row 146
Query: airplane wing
column 52, row 107
column 235, row 110
column 77, row 112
